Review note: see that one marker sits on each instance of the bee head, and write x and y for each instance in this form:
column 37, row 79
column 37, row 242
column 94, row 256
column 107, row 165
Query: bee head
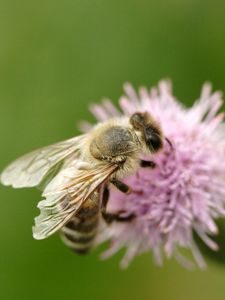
column 150, row 130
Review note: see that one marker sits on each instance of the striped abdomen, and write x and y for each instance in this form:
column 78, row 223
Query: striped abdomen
column 79, row 233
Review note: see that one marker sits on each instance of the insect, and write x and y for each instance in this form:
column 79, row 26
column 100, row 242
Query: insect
column 73, row 173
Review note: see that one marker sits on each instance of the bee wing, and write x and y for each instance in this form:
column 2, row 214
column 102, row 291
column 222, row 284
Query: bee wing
column 30, row 169
column 66, row 194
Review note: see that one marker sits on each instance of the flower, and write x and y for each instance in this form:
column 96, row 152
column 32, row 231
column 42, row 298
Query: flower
column 185, row 193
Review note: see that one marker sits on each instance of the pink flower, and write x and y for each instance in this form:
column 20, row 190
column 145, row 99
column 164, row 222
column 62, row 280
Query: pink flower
column 185, row 193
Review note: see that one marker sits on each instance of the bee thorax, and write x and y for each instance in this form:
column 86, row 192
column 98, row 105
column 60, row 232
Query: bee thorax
column 112, row 144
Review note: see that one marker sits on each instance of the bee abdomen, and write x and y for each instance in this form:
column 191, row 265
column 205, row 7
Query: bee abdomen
column 78, row 234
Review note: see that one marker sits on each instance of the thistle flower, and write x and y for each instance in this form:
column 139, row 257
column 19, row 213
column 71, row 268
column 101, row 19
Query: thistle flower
column 185, row 193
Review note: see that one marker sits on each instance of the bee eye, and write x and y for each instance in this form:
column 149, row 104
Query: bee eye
column 154, row 142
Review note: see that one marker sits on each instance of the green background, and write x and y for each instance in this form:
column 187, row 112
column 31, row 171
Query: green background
column 56, row 57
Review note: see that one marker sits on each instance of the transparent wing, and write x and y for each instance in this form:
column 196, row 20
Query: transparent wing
column 30, row 169
column 65, row 195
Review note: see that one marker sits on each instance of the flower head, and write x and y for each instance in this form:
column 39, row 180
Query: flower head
column 185, row 193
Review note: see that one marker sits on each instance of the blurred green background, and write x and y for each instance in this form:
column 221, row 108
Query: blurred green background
column 55, row 58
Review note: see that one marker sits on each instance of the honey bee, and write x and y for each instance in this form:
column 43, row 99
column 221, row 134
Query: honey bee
column 73, row 173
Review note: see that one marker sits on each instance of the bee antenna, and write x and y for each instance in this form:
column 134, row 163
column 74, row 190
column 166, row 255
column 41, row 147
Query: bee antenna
column 170, row 143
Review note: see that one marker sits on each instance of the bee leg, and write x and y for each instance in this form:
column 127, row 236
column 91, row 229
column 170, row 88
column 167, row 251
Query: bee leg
column 147, row 164
column 124, row 188
column 110, row 217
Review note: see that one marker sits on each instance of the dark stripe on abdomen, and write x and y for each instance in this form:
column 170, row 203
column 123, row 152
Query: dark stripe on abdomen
column 78, row 234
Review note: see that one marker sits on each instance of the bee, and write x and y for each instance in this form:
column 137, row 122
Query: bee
column 75, row 176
